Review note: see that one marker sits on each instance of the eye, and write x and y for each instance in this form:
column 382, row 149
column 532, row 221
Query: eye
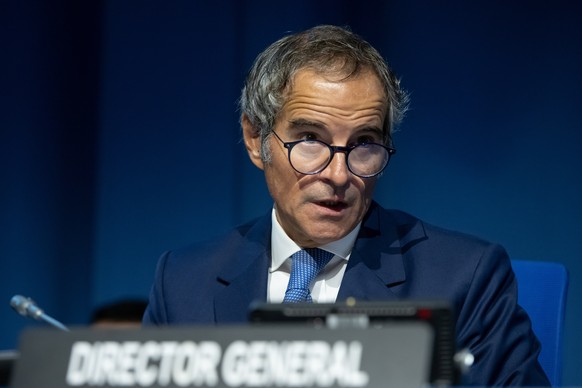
column 365, row 140
column 309, row 136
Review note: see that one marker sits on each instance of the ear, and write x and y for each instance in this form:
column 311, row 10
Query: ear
column 252, row 140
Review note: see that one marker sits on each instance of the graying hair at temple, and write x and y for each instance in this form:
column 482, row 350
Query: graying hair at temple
column 327, row 50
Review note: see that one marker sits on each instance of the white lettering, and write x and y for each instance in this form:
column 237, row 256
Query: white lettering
column 355, row 376
column 188, row 363
column 78, row 363
column 316, row 363
column 165, row 372
column 105, row 365
column 145, row 371
column 293, row 364
column 196, row 364
column 233, row 369
column 125, row 363
column 130, row 363
column 295, row 358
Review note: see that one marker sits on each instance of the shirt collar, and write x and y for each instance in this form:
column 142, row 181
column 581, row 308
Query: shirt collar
column 282, row 247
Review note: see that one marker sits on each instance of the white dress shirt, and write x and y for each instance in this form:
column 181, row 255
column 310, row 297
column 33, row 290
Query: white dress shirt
column 328, row 281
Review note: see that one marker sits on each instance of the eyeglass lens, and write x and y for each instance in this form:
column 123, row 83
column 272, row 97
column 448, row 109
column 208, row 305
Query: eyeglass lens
column 311, row 157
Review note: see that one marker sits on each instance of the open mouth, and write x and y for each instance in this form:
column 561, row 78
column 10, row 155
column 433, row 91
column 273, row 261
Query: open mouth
column 333, row 205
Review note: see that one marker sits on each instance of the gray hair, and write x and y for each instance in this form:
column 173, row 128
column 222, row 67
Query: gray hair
column 325, row 49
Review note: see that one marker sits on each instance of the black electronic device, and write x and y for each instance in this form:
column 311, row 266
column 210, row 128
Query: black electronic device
column 376, row 314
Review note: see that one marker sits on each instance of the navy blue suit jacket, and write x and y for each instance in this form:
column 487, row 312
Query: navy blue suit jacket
column 396, row 256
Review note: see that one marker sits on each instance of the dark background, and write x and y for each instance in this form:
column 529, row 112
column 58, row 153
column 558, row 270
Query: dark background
column 120, row 137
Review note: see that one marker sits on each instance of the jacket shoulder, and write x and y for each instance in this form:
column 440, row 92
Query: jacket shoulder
column 433, row 233
column 256, row 231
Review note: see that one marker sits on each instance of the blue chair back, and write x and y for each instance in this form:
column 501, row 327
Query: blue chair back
column 542, row 291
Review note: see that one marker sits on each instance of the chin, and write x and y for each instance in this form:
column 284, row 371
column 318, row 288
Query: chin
column 327, row 237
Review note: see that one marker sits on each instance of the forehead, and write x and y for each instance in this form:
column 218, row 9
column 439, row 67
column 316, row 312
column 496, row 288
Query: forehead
column 359, row 97
column 307, row 75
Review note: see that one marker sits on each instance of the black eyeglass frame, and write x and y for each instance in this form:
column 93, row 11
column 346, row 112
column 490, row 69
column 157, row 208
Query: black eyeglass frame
column 333, row 150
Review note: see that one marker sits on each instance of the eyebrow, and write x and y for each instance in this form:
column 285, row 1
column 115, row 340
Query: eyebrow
column 377, row 130
column 301, row 123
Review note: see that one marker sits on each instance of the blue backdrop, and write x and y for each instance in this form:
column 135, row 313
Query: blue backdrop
column 120, row 137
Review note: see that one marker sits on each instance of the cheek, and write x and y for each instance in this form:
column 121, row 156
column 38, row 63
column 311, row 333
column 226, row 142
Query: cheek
column 369, row 187
column 280, row 183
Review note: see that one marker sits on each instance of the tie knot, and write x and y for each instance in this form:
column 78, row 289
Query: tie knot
column 305, row 266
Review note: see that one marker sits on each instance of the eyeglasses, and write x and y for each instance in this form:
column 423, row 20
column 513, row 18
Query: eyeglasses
column 311, row 157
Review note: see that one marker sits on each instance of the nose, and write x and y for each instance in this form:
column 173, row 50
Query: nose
column 337, row 171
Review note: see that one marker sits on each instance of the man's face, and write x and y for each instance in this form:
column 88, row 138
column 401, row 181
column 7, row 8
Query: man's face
column 317, row 209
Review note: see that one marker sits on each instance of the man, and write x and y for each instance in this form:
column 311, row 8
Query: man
column 318, row 111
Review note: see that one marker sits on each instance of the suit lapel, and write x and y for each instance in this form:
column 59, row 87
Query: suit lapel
column 377, row 269
column 245, row 280
column 233, row 303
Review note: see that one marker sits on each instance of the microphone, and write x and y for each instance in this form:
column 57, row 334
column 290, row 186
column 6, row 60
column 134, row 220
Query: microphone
column 28, row 308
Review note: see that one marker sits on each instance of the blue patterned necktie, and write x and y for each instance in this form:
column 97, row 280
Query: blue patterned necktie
column 306, row 264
